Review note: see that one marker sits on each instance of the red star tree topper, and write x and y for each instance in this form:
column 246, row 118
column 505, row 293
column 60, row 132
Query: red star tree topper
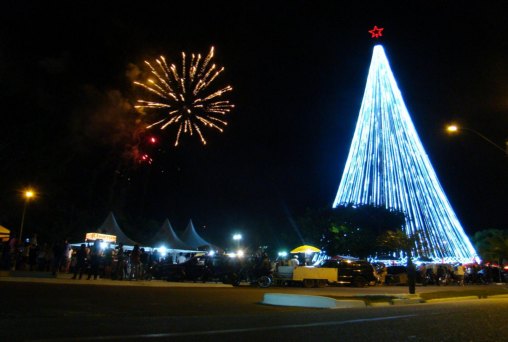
column 376, row 32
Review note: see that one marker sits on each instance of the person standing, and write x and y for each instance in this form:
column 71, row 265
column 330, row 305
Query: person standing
column 58, row 250
column 13, row 252
column 181, row 258
column 81, row 259
column 143, row 259
column 135, row 260
column 108, row 262
column 294, row 261
column 382, row 272
column 119, row 271
column 66, row 257
column 459, row 273
column 95, row 255
column 33, row 250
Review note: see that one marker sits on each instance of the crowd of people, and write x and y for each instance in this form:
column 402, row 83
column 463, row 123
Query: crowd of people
column 440, row 274
column 115, row 263
column 97, row 260
column 29, row 255
column 92, row 260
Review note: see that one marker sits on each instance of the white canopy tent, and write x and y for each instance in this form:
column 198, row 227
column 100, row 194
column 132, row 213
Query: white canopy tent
column 111, row 227
column 191, row 238
column 167, row 237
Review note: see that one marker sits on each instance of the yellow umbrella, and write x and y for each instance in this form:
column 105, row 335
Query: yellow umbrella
column 305, row 249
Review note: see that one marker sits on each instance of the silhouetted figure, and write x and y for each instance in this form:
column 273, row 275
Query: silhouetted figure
column 95, row 254
column 32, row 256
column 58, row 251
column 81, row 259
column 119, row 271
column 411, row 276
column 135, row 259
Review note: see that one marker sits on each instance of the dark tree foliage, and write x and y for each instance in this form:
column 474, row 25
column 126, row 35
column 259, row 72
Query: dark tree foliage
column 397, row 241
column 492, row 244
column 349, row 230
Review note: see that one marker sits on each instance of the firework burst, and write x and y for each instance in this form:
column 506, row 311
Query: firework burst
column 184, row 96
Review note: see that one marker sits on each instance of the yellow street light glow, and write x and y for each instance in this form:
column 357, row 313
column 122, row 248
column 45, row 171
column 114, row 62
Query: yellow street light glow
column 452, row 128
column 28, row 194
column 455, row 129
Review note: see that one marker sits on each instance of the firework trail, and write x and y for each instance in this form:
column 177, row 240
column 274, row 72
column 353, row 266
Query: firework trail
column 185, row 97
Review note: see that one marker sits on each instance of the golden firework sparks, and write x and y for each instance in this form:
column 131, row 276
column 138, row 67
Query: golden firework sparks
column 186, row 99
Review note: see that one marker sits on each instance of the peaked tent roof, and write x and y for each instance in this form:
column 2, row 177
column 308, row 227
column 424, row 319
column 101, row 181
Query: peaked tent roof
column 110, row 226
column 167, row 235
column 191, row 238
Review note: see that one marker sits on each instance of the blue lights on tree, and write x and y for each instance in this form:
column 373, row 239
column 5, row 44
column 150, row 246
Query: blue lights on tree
column 387, row 166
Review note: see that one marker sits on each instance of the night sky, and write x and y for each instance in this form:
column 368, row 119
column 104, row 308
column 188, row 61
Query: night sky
column 298, row 69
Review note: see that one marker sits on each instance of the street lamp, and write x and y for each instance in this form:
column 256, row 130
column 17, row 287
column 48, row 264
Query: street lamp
column 237, row 238
column 453, row 129
column 28, row 194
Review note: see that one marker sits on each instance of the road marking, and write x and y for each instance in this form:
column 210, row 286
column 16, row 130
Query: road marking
column 226, row 331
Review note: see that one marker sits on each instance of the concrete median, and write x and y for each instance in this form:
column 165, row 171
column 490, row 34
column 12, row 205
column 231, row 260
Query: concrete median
column 283, row 299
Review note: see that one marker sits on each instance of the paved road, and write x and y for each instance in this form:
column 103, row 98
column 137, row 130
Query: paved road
column 57, row 311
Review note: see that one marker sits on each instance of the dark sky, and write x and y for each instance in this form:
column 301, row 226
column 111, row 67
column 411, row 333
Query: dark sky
column 298, row 69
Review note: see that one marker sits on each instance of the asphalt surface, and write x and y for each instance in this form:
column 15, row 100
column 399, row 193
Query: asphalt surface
column 64, row 309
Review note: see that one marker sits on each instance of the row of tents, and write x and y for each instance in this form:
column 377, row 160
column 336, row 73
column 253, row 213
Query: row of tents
column 166, row 236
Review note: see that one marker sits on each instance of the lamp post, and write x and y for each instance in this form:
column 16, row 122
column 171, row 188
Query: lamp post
column 453, row 129
column 237, row 238
column 28, row 194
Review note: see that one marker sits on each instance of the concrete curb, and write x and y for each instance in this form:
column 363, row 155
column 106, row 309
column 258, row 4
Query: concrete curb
column 498, row 296
column 376, row 304
column 451, row 299
column 283, row 299
column 404, row 301
column 30, row 274
column 109, row 282
column 400, row 299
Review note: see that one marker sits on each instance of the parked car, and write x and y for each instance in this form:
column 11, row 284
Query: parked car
column 396, row 275
column 203, row 267
column 358, row 273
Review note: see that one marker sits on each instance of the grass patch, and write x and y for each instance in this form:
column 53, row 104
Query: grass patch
column 368, row 299
column 481, row 293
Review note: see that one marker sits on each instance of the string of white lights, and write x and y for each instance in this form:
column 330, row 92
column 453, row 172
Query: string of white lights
column 387, row 165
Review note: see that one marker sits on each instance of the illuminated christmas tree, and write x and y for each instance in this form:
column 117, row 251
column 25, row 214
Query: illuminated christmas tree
column 387, row 166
